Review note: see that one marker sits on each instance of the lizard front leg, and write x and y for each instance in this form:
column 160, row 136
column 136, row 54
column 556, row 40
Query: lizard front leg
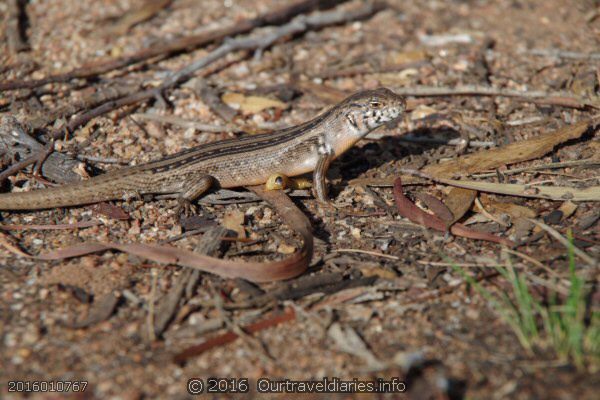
column 320, row 176
column 193, row 189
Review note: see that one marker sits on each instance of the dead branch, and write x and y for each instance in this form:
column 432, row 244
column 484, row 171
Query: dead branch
column 15, row 143
column 102, row 109
column 538, row 97
column 299, row 25
column 99, row 96
column 95, row 68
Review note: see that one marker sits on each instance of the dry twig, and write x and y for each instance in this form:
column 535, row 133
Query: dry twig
column 538, row 97
column 371, row 253
column 210, row 244
column 96, row 68
column 298, row 25
column 253, row 271
column 97, row 97
column 272, row 320
column 16, row 143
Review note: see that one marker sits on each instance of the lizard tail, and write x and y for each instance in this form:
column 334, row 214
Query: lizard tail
column 85, row 192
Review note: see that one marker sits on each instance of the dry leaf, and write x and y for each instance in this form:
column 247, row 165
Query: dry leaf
column 379, row 272
column 111, row 211
column 567, row 208
column 273, row 319
column 522, row 227
column 135, row 16
column 459, row 201
column 436, row 205
column 591, row 193
column 513, row 153
column 251, row 104
column 408, row 209
column 325, row 93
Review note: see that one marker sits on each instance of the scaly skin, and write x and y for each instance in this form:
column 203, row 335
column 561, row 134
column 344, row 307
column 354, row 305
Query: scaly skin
column 249, row 160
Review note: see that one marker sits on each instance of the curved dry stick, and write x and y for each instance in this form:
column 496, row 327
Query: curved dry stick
column 298, row 25
column 274, row 319
column 408, row 209
column 91, row 69
column 250, row 270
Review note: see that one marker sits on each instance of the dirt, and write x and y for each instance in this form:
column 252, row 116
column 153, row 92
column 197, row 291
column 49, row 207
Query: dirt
column 416, row 319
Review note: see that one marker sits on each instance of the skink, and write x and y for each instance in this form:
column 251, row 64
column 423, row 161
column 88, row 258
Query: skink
column 244, row 161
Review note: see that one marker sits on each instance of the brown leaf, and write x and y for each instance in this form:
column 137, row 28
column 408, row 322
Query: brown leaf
column 408, row 209
column 438, row 208
column 379, row 272
column 459, row 201
column 326, row 93
column 591, row 193
column 405, row 57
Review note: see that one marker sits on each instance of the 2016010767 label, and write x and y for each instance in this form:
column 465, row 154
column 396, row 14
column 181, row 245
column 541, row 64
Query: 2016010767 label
column 46, row 386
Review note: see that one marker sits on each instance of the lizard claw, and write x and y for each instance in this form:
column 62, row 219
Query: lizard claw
column 185, row 207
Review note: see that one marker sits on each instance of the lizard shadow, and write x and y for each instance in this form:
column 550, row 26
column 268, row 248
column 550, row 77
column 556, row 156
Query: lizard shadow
column 376, row 154
column 387, row 150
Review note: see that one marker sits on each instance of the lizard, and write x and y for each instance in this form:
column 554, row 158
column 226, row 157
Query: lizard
column 243, row 161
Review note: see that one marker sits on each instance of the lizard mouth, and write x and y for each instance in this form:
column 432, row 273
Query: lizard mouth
column 393, row 119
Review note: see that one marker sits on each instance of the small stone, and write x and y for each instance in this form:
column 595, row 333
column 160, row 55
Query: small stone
column 24, row 352
column 554, row 217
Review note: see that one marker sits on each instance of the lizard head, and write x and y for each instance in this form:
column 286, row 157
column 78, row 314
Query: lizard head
column 370, row 109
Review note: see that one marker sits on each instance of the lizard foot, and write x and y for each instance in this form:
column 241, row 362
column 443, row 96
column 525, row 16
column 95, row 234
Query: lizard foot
column 185, row 207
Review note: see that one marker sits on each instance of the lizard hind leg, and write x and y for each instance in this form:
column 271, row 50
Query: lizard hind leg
column 192, row 189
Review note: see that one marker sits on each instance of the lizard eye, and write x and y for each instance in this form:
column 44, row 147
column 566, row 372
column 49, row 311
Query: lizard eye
column 375, row 104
